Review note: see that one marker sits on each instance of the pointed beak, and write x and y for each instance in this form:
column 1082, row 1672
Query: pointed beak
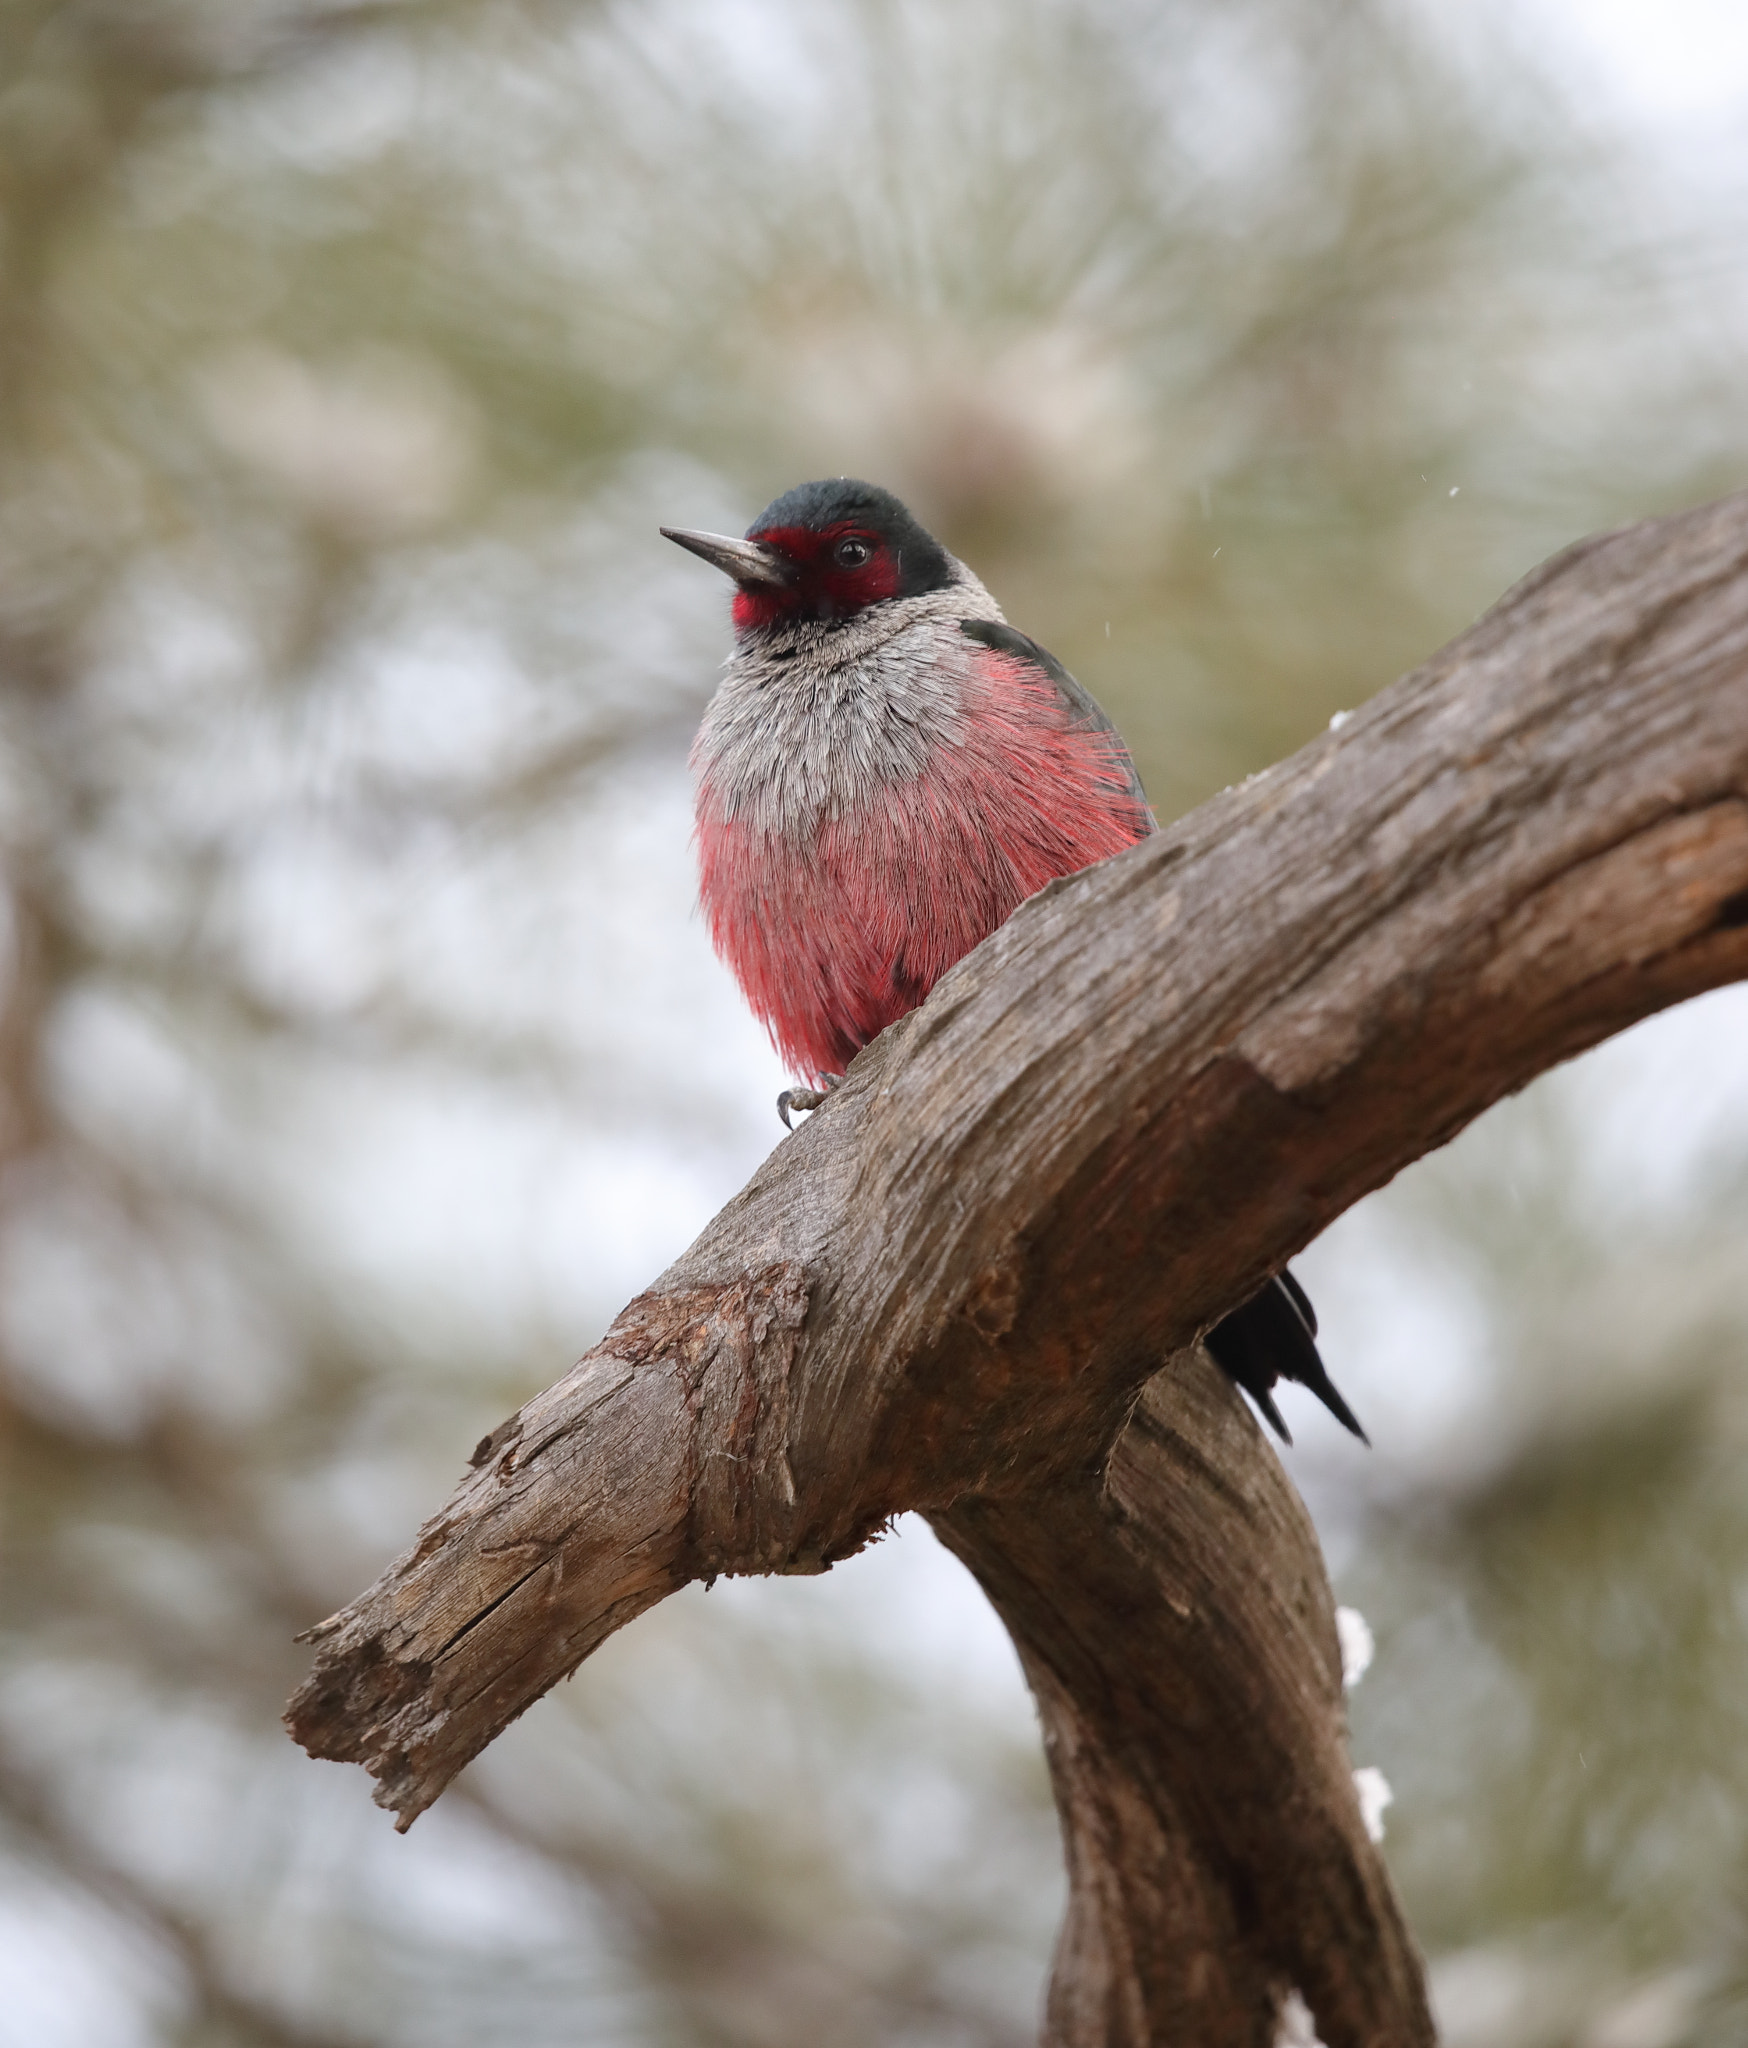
column 745, row 560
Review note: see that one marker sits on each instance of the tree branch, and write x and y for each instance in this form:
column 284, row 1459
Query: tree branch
column 953, row 1290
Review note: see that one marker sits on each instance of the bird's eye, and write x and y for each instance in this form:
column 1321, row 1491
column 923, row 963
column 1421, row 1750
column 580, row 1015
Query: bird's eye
column 851, row 553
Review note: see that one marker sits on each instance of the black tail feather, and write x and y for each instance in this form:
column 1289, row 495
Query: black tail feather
column 1273, row 1337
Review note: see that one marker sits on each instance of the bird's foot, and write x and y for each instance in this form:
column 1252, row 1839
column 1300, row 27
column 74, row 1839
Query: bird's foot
column 798, row 1098
column 805, row 1098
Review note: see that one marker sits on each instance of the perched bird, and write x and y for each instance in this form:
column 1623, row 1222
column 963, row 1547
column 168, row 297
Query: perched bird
column 887, row 770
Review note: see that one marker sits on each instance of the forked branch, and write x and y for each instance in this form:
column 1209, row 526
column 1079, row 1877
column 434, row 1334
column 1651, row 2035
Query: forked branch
column 954, row 1290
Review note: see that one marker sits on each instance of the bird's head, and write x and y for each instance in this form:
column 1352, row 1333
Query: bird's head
column 823, row 553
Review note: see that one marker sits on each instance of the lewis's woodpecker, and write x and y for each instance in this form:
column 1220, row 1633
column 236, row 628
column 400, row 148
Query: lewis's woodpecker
column 885, row 772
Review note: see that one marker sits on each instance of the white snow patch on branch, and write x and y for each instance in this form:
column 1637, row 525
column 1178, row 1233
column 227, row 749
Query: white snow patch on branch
column 1375, row 1794
column 1357, row 1645
column 1296, row 2028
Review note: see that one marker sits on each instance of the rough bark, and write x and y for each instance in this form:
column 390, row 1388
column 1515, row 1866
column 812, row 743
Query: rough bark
column 953, row 1290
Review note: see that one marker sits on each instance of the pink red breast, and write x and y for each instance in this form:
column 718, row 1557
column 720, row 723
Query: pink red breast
column 838, row 933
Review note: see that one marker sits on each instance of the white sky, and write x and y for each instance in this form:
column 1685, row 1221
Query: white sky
column 1663, row 62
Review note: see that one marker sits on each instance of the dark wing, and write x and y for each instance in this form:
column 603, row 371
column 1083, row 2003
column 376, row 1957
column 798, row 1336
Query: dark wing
column 1274, row 1337
column 1082, row 707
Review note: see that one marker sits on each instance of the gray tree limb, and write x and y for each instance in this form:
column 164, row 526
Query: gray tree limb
column 973, row 1283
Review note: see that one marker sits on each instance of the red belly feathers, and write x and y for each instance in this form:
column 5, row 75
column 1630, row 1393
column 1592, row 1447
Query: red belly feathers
column 837, row 933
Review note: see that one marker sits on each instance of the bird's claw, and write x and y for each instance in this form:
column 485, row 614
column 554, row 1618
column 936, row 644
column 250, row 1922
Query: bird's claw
column 805, row 1098
column 797, row 1098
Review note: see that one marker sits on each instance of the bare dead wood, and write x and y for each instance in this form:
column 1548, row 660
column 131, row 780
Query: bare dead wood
column 952, row 1291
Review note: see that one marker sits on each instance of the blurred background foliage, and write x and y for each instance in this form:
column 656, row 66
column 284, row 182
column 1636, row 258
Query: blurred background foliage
column 360, row 1053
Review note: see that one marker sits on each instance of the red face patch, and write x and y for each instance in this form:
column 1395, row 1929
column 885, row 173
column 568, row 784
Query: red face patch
column 839, row 571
